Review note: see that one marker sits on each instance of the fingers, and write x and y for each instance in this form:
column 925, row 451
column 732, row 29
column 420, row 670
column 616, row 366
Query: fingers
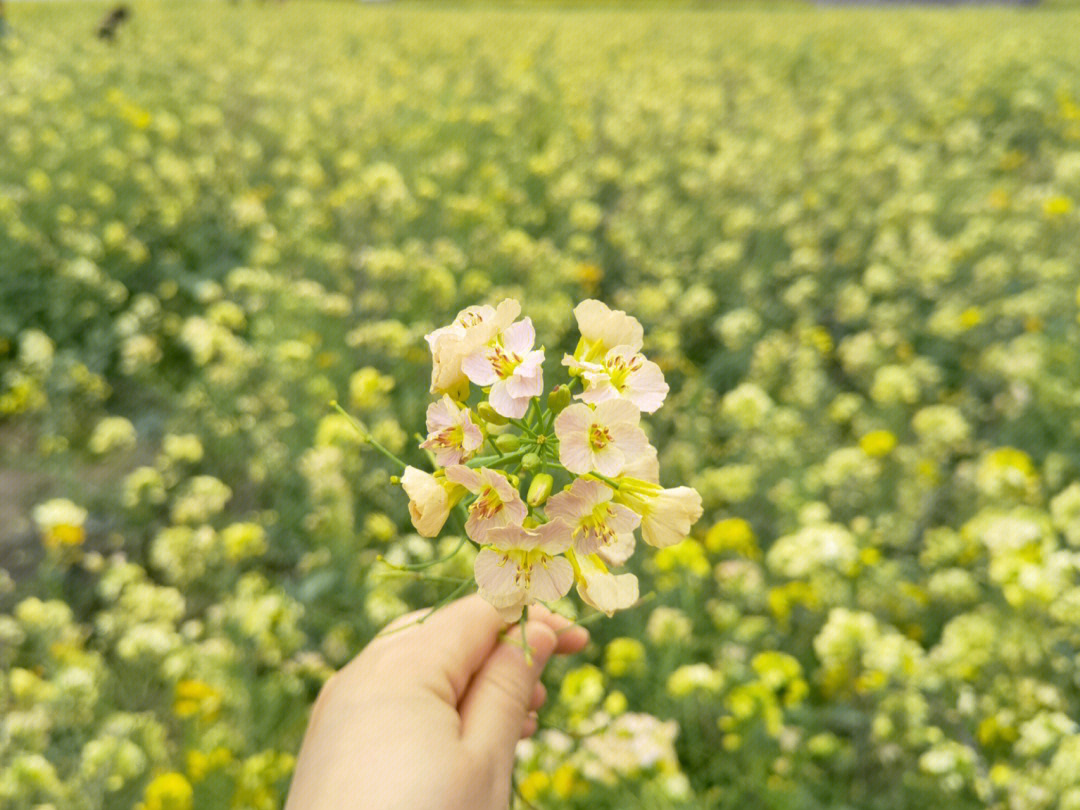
column 572, row 637
column 495, row 709
column 456, row 640
column 539, row 695
column 532, row 723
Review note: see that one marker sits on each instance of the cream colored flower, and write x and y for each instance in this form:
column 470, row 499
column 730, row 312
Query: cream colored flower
column 666, row 514
column 429, row 501
column 604, row 439
column 498, row 503
column 520, row 566
column 622, row 373
column 473, row 328
column 594, row 522
column 603, row 590
column 452, row 435
column 603, row 328
column 509, row 364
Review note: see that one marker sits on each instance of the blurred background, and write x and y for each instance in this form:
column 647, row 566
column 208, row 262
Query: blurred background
column 850, row 233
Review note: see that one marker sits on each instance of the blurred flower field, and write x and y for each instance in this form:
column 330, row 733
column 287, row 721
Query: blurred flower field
column 851, row 236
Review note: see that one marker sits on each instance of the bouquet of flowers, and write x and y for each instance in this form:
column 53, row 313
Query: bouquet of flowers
column 550, row 489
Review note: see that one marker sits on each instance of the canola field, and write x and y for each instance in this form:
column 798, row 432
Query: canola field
column 851, row 236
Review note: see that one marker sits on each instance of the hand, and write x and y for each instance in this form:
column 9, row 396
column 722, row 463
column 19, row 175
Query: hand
column 428, row 715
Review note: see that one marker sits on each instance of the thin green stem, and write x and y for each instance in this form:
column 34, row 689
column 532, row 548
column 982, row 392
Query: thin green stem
column 423, row 565
column 367, row 437
column 522, row 426
column 427, row 615
column 488, row 461
column 421, row 576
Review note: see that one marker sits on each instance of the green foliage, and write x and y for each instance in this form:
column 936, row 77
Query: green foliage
column 851, row 238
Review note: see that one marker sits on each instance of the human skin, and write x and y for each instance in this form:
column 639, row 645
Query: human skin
column 427, row 716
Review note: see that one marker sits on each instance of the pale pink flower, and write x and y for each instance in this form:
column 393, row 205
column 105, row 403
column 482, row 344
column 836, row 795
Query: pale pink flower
column 623, row 373
column 603, row 590
column 519, row 566
column 452, row 435
column 604, row 439
column 620, row 551
column 593, row 520
column 429, row 500
column 666, row 514
column 498, row 503
column 511, row 367
column 603, row 328
column 472, row 328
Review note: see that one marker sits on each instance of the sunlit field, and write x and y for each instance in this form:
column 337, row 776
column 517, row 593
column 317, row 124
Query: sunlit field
column 851, row 236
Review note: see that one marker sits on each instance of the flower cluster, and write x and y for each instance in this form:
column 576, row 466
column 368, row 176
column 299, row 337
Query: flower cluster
column 534, row 548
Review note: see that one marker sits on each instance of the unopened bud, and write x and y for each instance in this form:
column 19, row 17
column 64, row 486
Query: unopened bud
column 530, row 461
column 539, row 489
column 507, row 443
column 515, row 482
column 559, row 398
column 395, row 479
column 489, row 414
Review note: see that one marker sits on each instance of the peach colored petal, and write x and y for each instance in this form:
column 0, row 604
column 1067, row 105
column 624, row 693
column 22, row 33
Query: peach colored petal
column 608, row 460
column 468, row 478
column 571, row 428
column 620, row 551
column 495, row 573
column 617, row 412
column 599, row 324
column 429, row 503
column 606, row 592
column 551, row 579
column 670, row 515
column 519, row 337
column 631, row 440
column 506, row 405
column 479, row 369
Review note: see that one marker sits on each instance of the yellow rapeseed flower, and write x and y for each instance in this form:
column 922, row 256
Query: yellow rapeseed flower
column 169, row 791
column 878, row 443
column 733, row 534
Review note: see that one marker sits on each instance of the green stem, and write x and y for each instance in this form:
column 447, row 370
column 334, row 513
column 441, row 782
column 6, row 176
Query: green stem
column 420, row 576
column 438, row 605
column 488, row 461
column 367, row 437
column 520, row 425
column 423, row 565
column 611, row 483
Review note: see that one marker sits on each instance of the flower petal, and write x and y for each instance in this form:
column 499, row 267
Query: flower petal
column 494, row 573
column 551, row 579
column 479, row 368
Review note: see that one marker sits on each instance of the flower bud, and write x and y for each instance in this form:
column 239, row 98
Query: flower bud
column 559, row 398
column 507, row 443
column 539, row 489
column 489, row 414
column 530, row 461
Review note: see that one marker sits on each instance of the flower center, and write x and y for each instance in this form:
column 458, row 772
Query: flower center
column 599, row 437
column 620, row 368
column 596, row 523
column 504, row 361
column 488, row 503
column 450, row 437
column 524, row 560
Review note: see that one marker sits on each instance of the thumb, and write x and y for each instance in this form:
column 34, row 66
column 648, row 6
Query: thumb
column 494, row 709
